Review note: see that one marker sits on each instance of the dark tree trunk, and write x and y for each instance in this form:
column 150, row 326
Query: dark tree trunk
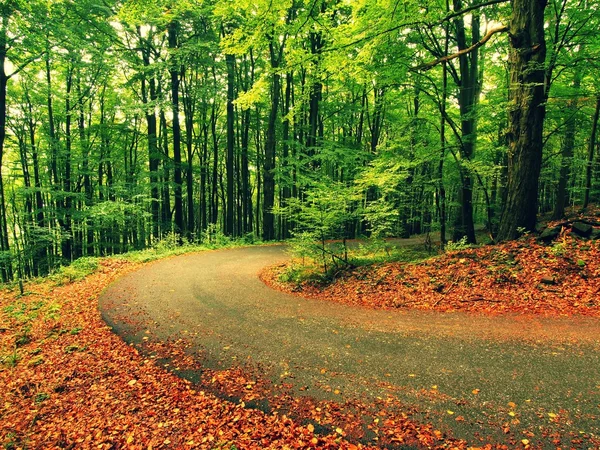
column 316, row 93
column 590, row 158
column 177, row 173
column 214, row 216
column 41, row 252
column 567, row 149
column 526, row 117
column 3, row 85
column 286, row 193
column 246, row 194
column 230, row 203
column 270, row 147
column 66, row 224
column 204, row 170
column 467, row 99
column 189, row 109
column 441, row 194
column 166, row 166
column 149, row 97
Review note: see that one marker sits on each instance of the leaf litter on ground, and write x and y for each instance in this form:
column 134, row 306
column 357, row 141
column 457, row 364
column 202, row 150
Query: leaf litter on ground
column 68, row 381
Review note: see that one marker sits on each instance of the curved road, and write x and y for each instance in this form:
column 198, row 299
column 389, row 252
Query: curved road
column 216, row 301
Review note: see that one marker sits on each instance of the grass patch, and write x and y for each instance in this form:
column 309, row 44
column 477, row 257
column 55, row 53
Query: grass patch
column 173, row 245
column 77, row 270
column 11, row 360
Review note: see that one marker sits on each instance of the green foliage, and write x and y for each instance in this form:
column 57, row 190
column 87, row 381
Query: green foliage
column 325, row 213
column 77, row 270
column 36, row 361
column 11, row 360
column 41, row 397
column 558, row 249
column 462, row 244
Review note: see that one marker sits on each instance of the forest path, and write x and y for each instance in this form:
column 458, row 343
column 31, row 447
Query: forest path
column 489, row 370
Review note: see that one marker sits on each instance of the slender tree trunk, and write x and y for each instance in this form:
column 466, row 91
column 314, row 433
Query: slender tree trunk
column 67, row 242
column 149, row 97
column 189, row 109
column 246, row 193
column 270, row 146
column 316, row 94
column 4, row 246
column 167, row 214
column 567, row 150
column 590, row 158
column 526, row 117
column 286, row 189
column 204, row 170
column 177, row 173
column 6, row 270
column 441, row 197
column 230, row 204
column 468, row 98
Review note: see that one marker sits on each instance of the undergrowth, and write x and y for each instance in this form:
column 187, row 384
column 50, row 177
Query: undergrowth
column 171, row 245
column 307, row 269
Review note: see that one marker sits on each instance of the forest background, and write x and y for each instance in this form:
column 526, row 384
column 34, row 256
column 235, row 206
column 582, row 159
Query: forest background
column 124, row 123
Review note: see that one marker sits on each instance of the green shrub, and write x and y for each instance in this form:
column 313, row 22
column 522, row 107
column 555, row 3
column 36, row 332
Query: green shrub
column 77, row 270
column 462, row 244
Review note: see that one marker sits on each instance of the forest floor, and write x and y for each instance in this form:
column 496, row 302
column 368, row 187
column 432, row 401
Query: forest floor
column 495, row 347
column 523, row 276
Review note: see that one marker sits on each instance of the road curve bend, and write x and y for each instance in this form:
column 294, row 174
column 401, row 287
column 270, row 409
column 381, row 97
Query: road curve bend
column 216, row 300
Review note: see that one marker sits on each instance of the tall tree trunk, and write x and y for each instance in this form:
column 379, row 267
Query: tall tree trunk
column 149, row 96
column 468, row 98
column 526, row 117
column 4, row 246
column 85, row 154
column 246, row 193
column 567, row 150
column 441, row 194
column 177, row 174
column 230, row 204
column 316, row 91
column 590, row 158
column 167, row 214
column 41, row 250
column 66, row 224
column 204, row 170
column 286, row 193
column 270, row 147
column 214, row 216
column 189, row 109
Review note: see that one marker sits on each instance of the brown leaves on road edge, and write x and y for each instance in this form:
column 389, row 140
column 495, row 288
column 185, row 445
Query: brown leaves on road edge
column 68, row 382
column 519, row 277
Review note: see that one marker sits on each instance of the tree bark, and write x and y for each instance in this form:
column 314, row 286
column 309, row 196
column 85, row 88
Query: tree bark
column 270, row 147
column 590, row 158
column 567, row 150
column 230, row 204
column 526, row 117
column 177, row 173
column 149, row 97
column 468, row 97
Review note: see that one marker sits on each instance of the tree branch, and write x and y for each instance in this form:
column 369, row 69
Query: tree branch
column 465, row 51
column 419, row 23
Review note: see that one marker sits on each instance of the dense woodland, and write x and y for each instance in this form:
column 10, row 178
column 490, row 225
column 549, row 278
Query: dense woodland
column 126, row 122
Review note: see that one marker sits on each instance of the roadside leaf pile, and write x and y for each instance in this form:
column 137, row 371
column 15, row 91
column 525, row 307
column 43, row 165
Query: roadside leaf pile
column 524, row 276
column 66, row 381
